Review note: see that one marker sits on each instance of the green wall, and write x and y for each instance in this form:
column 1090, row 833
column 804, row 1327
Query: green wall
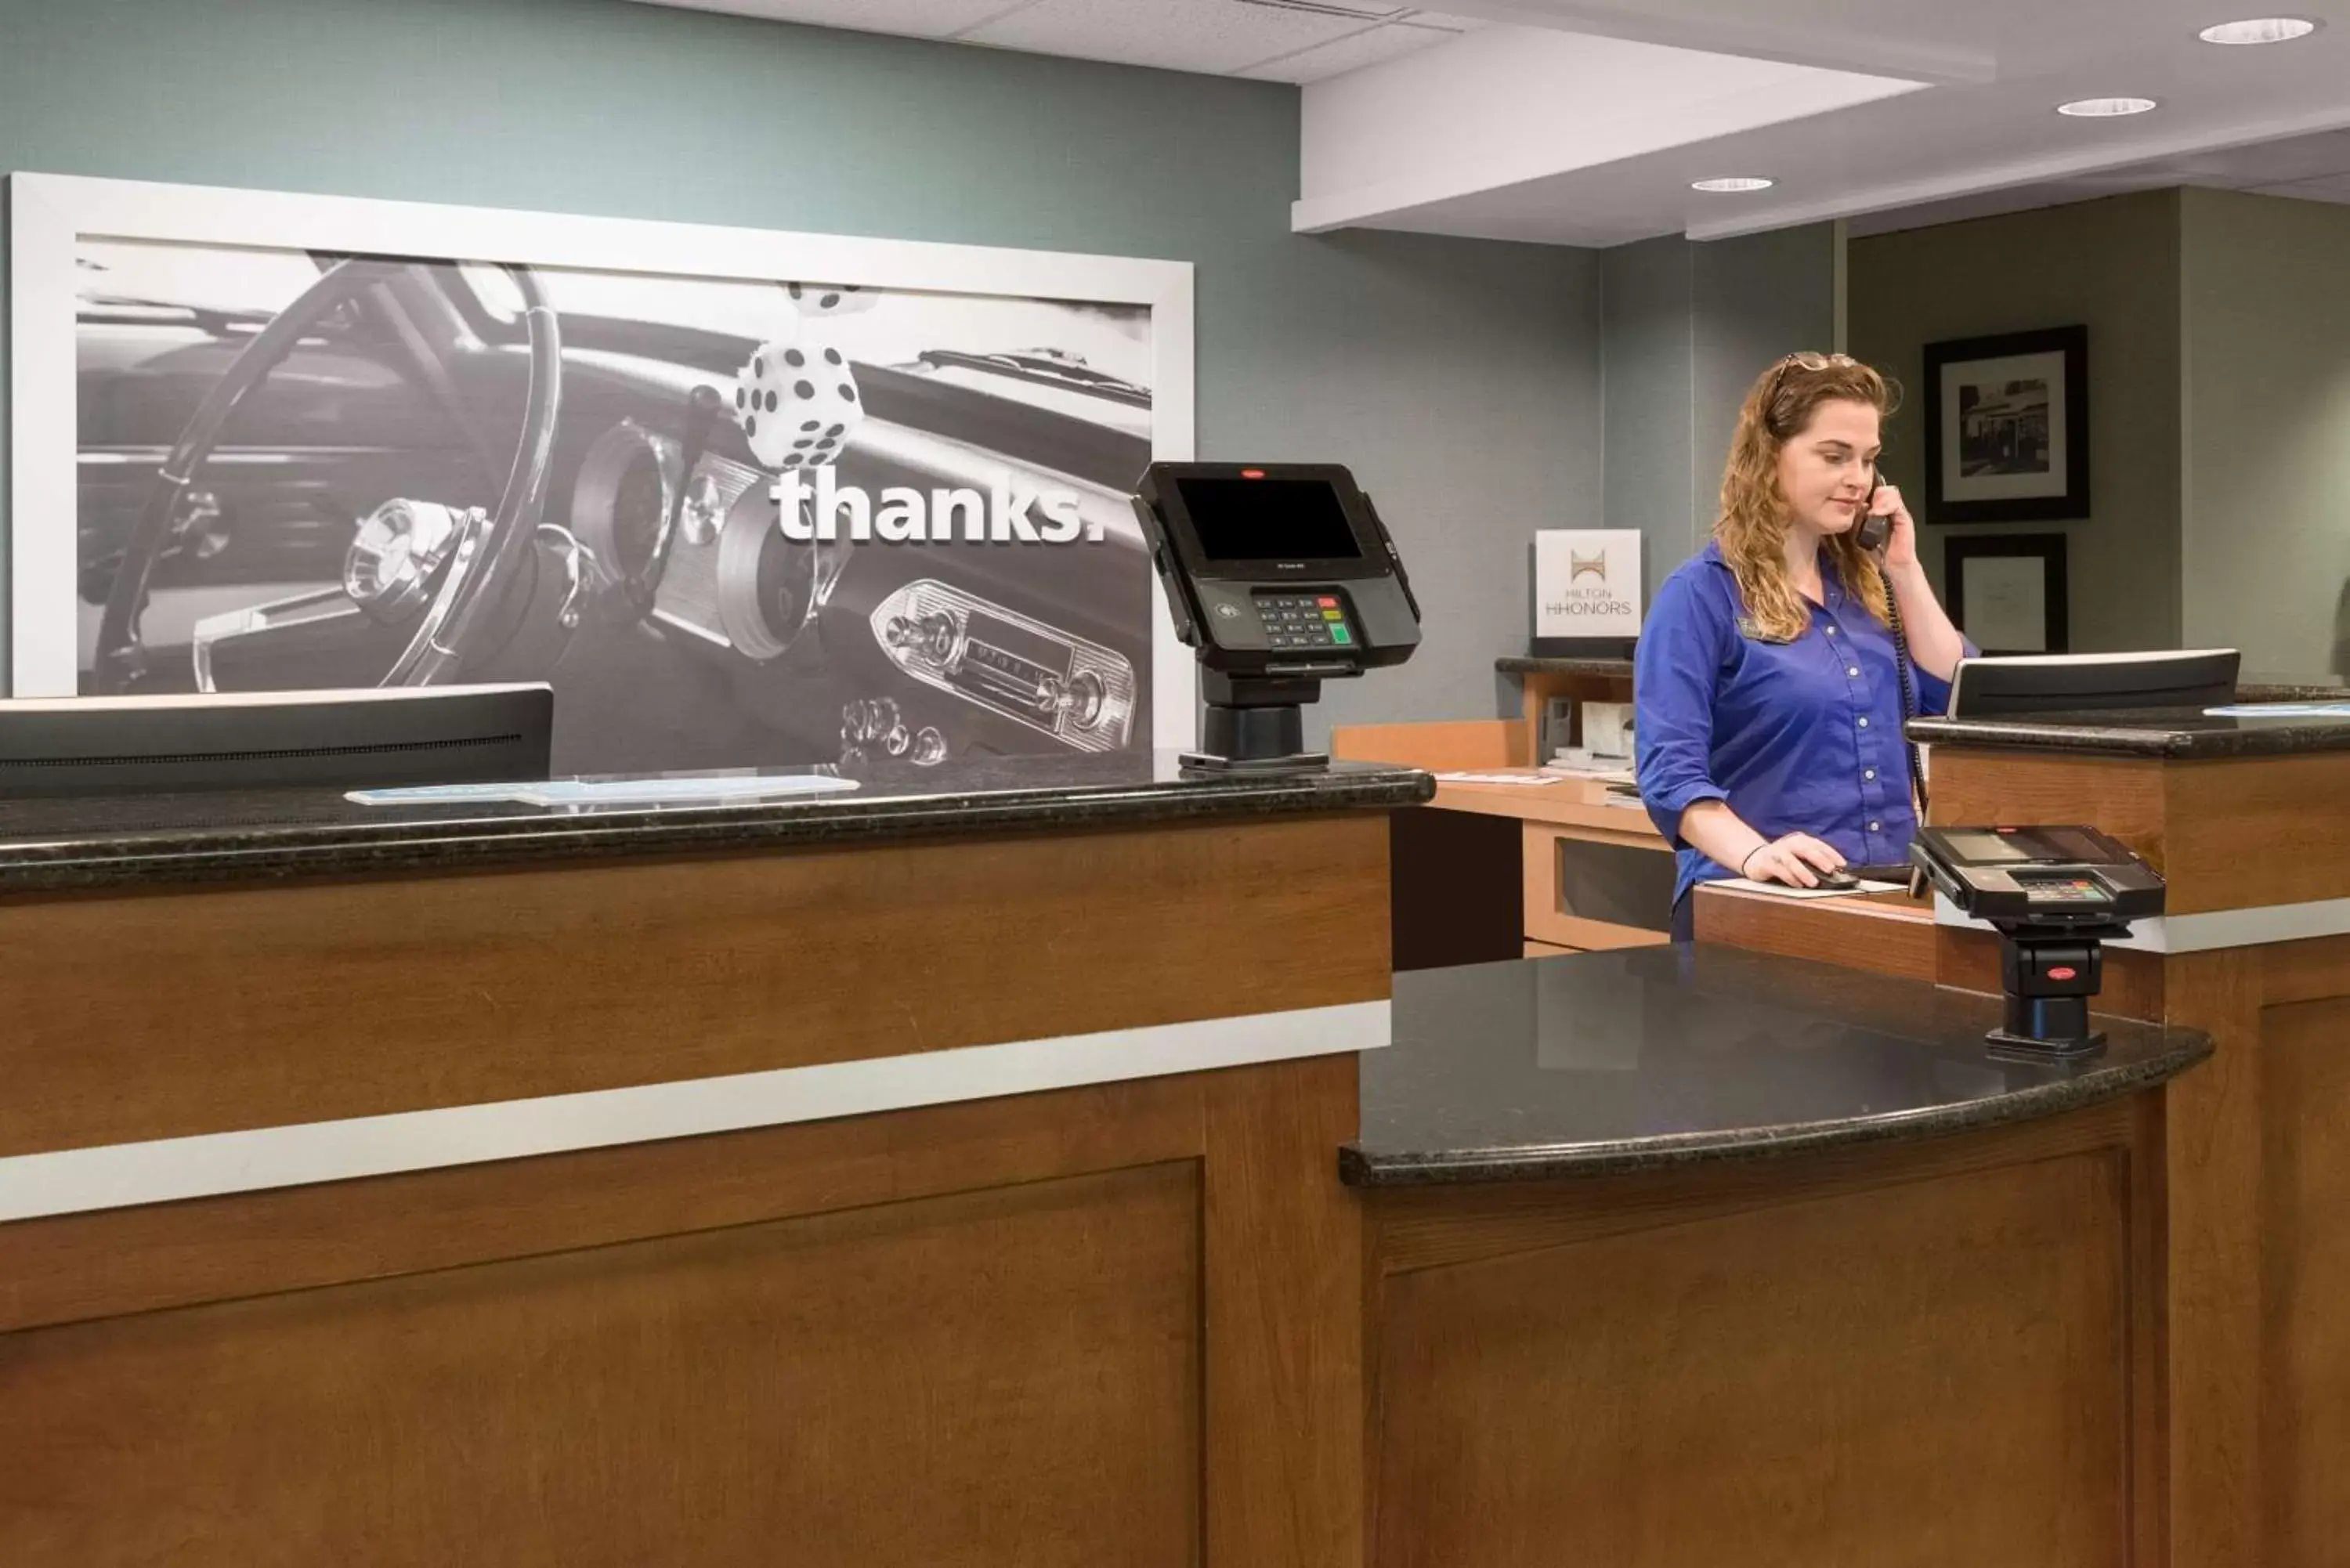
column 1686, row 329
column 2266, row 291
column 1460, row 378
column 2111, row 265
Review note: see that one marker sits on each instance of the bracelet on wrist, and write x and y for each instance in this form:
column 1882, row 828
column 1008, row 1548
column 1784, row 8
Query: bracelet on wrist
column 1751, row 854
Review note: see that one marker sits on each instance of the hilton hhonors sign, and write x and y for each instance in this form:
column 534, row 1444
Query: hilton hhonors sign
column 1586, row 589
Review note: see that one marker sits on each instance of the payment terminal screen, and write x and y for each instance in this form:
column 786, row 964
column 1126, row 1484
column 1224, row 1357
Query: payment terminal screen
column 1987, row 848
column 1269, row 519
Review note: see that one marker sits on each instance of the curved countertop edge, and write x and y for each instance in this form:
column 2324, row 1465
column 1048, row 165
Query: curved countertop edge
column 1673, row 1150
column 249, row 851
column 2249, row 692
column 2173, row 739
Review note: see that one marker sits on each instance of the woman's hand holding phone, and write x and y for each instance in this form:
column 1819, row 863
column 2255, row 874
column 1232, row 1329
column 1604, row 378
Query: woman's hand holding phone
column 1885, row 518
column 1795, row 859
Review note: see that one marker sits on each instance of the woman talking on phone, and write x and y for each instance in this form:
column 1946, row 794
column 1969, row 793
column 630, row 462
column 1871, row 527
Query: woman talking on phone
column 1768, row 704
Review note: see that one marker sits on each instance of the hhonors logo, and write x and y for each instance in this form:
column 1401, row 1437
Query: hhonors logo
column 1581, row 600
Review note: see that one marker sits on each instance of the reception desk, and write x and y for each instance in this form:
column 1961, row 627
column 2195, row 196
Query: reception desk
column 937, row 1173
column 1687, row 1256
column 1015, row 1168
column 2249, row 820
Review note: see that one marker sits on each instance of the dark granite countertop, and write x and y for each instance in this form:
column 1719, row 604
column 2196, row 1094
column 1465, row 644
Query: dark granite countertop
column 1598, row 1064
column 111, row 840
column 1530, row 664
column 2178, row 735
column 2291, row 692
column 2249, row 691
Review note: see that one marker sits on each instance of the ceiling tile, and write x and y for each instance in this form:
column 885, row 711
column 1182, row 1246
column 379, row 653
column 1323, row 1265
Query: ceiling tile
column 1366, row 48
column 1217, row 35
column 919, row 19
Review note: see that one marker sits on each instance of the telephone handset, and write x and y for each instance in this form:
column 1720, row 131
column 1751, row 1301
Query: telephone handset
column 1874, row 531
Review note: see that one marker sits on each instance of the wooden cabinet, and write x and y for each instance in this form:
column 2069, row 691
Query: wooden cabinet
column 1485, row 868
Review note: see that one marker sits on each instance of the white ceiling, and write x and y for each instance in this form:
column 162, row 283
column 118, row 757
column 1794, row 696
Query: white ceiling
column 1887, row 112
column 2316, row 168
column 1273, row 40
column 1986, row 124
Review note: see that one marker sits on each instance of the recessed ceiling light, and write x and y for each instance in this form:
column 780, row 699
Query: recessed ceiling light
column 1733, row 183
column 2105, row 108
column 2260, row 30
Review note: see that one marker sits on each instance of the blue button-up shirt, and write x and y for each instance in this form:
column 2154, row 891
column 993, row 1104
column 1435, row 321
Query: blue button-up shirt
column 1798, row 737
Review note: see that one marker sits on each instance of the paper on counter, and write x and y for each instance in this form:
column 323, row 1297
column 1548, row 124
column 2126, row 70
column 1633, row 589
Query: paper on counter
column 1502, row 778
column 1598, row 769
column 1783, row 891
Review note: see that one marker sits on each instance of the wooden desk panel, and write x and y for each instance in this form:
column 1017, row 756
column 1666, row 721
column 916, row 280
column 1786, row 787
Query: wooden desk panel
column 1008, row 1376
column 2273, row 830
column 2305, row 1177
column 1119, row 1324
column 1882, row 933
column 2122, row 797
column 2259, row 1168
column 164, row 1014
column 1913, row 1355
column 1112, row 1325
column 1443, row 746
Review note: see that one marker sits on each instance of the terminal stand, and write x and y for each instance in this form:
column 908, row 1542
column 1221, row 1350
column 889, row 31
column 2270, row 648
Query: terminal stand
column 1255, row 725
column 2049, row 972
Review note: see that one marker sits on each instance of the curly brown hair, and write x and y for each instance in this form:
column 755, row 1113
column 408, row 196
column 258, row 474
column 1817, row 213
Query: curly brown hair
column 1752, row 526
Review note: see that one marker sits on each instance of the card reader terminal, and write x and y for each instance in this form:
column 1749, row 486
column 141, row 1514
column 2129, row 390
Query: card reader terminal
column 2056, row 876
column 2054, row 895
column 1279, row 575
column 1277, row 568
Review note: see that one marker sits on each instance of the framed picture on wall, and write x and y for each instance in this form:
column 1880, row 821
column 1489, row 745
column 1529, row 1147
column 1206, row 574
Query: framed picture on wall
column 728, row 491
column 2007, row 427
column 2006, row 591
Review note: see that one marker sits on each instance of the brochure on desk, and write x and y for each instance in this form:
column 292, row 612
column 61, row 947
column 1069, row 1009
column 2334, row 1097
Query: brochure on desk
column 906, row 532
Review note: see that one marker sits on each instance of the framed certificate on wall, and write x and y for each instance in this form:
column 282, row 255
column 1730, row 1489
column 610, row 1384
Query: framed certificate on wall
column 2006, row 591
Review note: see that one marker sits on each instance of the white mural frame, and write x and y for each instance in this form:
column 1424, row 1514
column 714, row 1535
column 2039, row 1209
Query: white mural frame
column 50, row 213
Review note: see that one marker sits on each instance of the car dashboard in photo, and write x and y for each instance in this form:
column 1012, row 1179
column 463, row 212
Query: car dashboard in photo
column 385, row 481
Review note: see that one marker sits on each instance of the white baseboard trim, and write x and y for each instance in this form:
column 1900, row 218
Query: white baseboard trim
column 117, row 1176
column 2213, row 930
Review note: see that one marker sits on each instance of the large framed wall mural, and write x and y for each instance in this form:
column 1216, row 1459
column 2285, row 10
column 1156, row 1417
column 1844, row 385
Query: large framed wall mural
column 742, row 497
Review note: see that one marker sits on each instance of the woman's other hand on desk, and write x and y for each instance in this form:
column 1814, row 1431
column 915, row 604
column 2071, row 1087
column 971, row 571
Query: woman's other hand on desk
column 1795, row 859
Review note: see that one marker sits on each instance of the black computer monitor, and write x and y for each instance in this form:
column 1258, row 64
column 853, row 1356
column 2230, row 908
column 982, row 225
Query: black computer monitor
column 2062, row 683
column 270, row 740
